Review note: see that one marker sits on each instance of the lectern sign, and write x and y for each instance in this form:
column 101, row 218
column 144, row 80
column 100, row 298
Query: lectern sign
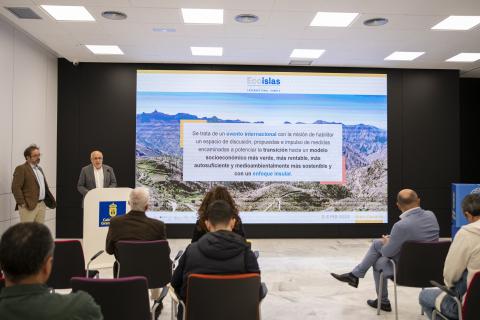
column 110, row 209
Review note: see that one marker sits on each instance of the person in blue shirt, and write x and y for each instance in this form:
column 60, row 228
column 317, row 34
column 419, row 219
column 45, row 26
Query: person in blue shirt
column 415, row 224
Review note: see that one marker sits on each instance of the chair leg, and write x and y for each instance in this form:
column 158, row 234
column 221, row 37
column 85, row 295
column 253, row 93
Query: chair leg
column 421, row 308
column 395, row 287
column 379, row 295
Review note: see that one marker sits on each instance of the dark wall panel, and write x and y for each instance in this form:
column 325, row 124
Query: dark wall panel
column 96, row 110
column 469, row 118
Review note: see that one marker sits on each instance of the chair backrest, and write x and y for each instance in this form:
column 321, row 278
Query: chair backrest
column 219, row 297
column 471, row 305
column 421, row 261
column 119, row 299
column 150, row 259
column 68, row 262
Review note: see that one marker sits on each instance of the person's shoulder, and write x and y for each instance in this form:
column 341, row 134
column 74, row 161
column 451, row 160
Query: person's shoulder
column 85, row 168
column 155, row 222
column 22, row 166
column 107, row 167
column 81, row 305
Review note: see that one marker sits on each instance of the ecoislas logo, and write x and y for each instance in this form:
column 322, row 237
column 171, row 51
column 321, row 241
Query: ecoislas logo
column 263, row 81
column 263, row 85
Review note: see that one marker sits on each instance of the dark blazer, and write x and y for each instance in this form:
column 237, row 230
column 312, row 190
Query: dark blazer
column 26, row 190
column 86, row 181
column 135, row 225
column 198, row 232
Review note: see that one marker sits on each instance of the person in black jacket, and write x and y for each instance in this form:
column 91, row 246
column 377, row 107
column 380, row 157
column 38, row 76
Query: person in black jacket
column 220, row 251
column 216, row 193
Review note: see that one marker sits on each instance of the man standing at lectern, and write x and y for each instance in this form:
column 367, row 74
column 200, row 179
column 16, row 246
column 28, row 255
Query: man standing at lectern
column 96, row 175
column 30, row 188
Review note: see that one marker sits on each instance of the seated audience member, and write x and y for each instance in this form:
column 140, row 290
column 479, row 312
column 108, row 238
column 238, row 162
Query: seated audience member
column 216, row 193
column 461, row 264
column 26, row 255
column 415, row 224
column 220, row 251
column 135, row 225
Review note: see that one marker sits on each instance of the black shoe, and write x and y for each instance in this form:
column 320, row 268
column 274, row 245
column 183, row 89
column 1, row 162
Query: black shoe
column 384, row 306
column 346, row 277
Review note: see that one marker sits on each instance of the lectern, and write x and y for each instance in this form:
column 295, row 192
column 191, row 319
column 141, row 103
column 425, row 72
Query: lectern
column 99, row 206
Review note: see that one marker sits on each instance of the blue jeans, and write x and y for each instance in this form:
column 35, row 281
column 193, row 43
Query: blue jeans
column 427, row 302
column 448, row 307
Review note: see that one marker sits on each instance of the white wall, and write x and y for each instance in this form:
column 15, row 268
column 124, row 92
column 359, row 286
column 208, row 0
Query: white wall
column 28, row 114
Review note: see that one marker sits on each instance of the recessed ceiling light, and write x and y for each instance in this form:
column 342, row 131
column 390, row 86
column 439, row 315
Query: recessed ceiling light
column 207, row 51
column 164, row 30
column 375, row 22
column 465, row 57
column 211, row 16
column 100, row 49
column 114, row 15
column 457, row 23
column 306, row 53
column 333, row 19
column 404, row 55
column 246, row 18
column 68, row 13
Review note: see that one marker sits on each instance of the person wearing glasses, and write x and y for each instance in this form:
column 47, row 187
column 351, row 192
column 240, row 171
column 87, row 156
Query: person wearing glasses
column 30, row 188
column 96, row 175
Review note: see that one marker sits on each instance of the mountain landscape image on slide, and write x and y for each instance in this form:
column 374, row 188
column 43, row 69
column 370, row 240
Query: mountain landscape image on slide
column 159, row 167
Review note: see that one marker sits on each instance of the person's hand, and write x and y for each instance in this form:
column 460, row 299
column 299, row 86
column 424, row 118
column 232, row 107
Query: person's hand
column 385, row 239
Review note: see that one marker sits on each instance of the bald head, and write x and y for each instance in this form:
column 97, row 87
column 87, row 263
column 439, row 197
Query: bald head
column 407, row 199
column 96, row 157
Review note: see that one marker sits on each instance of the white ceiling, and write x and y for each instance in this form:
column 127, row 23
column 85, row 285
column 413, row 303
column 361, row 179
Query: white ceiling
column 283, row 26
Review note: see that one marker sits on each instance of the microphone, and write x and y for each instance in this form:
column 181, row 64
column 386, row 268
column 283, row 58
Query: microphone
column 95, row 256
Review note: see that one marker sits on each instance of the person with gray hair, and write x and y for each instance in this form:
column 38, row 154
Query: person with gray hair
column 138, row 199
column 415, row 224
column 135, row 225
column 461, row 264
column 96, row 175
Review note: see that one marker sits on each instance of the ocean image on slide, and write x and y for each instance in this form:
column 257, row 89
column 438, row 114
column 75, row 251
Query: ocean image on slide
column 364, row 126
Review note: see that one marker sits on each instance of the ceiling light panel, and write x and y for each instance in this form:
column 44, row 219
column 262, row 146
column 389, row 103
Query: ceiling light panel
column 102, row 49
column 458, row 23
column 306, row 53
column 207, row 51
column 205, row 16
column 404, row 56
column 333, row 19
column 68, row 13
column 465, row 57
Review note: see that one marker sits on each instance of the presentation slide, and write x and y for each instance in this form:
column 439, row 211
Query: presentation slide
column 291, row 147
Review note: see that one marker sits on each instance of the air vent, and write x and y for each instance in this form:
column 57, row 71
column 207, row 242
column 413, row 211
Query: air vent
column 23, row 13
column 300, row 63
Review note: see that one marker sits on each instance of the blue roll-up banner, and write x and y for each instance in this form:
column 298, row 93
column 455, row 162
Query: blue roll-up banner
column 459, row 191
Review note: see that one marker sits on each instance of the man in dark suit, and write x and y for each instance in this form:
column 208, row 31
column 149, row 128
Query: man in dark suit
column 30, row 188
column 96, row 175
column 135, row 225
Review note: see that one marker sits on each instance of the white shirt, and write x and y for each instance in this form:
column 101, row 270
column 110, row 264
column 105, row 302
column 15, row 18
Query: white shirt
column 41, row 182
column 98, row 177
